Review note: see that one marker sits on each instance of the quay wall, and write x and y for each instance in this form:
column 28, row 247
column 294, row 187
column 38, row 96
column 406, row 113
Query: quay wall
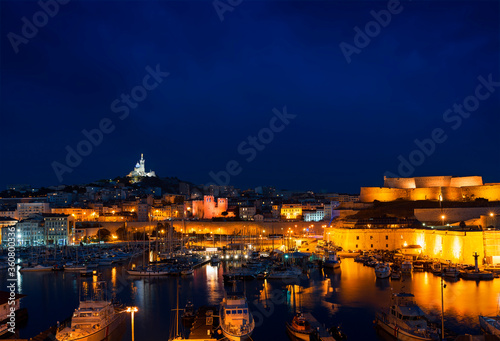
column 455, row 246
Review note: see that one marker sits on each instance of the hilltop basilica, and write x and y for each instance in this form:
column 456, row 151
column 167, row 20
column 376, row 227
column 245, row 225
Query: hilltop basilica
column 139, row 170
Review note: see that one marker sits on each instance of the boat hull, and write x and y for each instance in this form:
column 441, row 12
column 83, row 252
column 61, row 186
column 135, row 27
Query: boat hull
column 491, row 325
column 112, row 332
column 35, row 269
column 147, row 273
column 398, row 333
column 477, row 276
column 300, row 335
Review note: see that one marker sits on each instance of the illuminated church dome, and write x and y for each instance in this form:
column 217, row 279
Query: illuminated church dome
column 140, row 170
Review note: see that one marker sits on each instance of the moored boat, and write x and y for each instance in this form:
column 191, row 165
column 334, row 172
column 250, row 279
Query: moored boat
column 451, row 271
column 405, row 320
column 382, row 270
column 395, row 275
column 495, row 268
column 36, row 268
column 300, row 329
column 74, row 267
column 237, row 322
column 437, row 268
column 187, row 272
column 330, row 259
column 490, row 324
column 407, row 267
column 214, row 260
column 149, row 271
column 94, row 320
column 476, row 274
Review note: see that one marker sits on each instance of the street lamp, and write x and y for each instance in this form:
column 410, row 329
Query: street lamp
column 132, row 310
column 442, row 219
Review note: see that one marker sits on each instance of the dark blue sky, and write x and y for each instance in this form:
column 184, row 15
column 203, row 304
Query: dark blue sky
column 225, row 77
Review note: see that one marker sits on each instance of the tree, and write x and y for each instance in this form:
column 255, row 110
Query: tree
column 103, row 234
column 462, row 224
column 121, row 233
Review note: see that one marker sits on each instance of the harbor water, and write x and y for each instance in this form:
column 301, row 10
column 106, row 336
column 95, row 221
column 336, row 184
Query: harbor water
column 349, row 297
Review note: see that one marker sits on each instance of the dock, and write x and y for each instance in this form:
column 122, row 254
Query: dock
column 205, row 323
column 201, row 263
column 322, row 333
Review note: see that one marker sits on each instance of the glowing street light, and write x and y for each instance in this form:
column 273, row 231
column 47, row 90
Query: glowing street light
column 442, row 219
column 132, row 310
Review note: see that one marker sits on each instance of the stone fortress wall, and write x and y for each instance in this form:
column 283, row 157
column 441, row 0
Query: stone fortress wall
column 431, row 188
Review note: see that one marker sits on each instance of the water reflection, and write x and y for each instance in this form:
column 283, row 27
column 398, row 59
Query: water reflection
column 350, row 296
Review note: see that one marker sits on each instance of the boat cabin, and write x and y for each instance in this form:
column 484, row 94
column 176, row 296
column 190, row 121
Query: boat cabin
column 91, row 314
column 300, row 323
column 404, row 307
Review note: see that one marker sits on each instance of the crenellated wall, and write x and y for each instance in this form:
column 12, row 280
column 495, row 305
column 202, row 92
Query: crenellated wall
column 432, row 181
column 399, row 182
column 466, row 181
column 430, row 188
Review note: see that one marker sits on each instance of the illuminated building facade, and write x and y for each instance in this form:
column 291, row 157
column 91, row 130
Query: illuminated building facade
column 291, row 212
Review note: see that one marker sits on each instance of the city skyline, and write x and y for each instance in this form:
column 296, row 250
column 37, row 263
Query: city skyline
column 326, row 96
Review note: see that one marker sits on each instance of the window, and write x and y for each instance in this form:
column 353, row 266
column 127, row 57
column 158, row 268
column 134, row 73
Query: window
column 371, row 245
column 386, row 237
column 371, row 237
column 240, row 312
column 357, row 237
column 386, row 245
column 228, row 312
column 356, row 246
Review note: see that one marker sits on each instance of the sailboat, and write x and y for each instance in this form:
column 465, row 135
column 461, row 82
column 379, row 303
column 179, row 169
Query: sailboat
column 146, row 270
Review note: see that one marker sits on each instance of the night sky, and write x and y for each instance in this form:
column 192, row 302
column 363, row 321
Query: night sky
column 348, row 122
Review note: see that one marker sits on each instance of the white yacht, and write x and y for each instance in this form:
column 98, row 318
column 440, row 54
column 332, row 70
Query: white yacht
column 93, row 321
column 382, row 270
column 405, row 320
column 237, row 322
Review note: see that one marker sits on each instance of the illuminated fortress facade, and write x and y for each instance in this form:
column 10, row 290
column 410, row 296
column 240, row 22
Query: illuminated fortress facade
column 446, row 188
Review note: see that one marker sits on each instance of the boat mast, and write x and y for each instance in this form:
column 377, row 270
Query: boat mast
column 442, row 308
column 177, row 311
